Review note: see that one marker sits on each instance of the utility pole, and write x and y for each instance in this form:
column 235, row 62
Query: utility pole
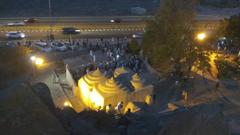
column 50, row 17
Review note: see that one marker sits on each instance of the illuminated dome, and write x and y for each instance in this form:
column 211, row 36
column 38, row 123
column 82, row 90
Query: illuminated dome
column 120, row 71
column 86, row 86
column 137, row 82
column 109, row 87
column 93, row 78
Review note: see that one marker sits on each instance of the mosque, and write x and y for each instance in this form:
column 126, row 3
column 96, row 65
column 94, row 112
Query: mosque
column 97, row 90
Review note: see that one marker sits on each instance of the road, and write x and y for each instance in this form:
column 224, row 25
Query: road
column 94, row 26
column 102, row 18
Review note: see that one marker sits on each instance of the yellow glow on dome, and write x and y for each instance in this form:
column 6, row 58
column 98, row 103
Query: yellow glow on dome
column 96, row 99
column 85, row 92
column 89, row 96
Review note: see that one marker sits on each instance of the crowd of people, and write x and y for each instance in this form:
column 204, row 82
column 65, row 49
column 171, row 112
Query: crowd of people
column 114, row 53
column 117, row 58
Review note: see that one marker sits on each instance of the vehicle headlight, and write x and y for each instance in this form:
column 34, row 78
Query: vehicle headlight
column 77, row 30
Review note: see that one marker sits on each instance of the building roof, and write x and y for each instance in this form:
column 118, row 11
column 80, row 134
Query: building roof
column 125, row 81
column 120, row 71
column 93, row 78
column 137, row 82
column 109, row 88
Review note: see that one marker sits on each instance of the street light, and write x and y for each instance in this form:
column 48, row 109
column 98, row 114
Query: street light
column 33, row 58
column 201, row 36
column 36, row 62
column 39, row 61
column 67, row 104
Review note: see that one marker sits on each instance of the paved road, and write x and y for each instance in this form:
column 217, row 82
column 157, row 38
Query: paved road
column 94, row 26
column 40, row 31
column 103, row 18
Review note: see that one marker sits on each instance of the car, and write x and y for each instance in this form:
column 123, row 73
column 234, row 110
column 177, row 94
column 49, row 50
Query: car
column 16, row 24
column 43, row 48
column 71, row 46
column 40, row 43
column 137, row 35
column 59, row 47
column 31, row 20
column 116, row 20
column 15, row 35
column 70, row 30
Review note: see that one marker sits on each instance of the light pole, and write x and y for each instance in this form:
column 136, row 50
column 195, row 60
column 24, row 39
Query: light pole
column 50, row 8
column 50, row 17
column 33, row 58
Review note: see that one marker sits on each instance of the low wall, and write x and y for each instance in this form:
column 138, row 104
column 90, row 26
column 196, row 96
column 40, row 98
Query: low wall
column 71, row 82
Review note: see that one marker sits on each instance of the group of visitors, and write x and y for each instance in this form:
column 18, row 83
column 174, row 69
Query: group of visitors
column 118, row 108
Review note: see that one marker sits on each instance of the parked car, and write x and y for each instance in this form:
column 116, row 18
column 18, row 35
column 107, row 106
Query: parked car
column 59, row 47
column 137, row 35
column 41, row 43
column 71, row 30
column 71, row 46
column 43, row 46
column 31, row 20
column 16, row 24
column 116, row 20
column 15, row 35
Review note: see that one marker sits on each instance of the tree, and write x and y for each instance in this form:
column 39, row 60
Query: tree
column 232, row 30
column 134, row 47
column 169, row 40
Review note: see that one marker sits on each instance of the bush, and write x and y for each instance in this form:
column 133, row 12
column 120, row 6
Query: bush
column 227, row 70
column 134, row 47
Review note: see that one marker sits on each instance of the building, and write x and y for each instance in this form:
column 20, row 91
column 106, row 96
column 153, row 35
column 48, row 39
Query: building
column 96, row 90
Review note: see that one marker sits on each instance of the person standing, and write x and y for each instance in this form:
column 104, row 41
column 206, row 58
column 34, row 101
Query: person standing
column 119, row 107
column 109, row 108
